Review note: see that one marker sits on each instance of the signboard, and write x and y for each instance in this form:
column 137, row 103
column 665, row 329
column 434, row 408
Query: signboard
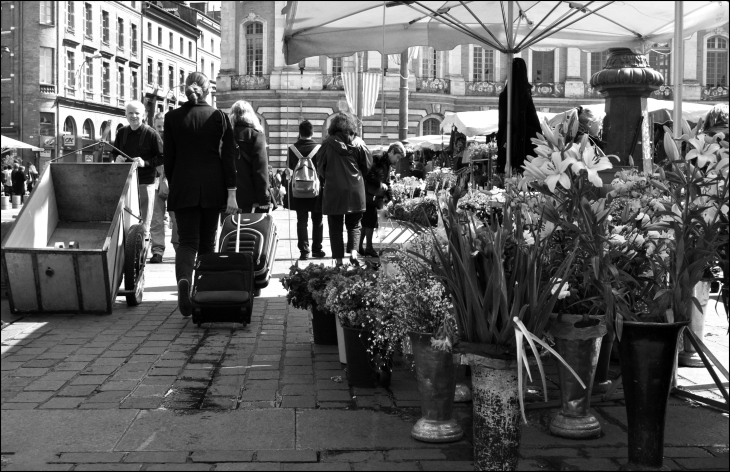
column 48, row 141
column 69, row 140
column 45, row 154
column 88, row 158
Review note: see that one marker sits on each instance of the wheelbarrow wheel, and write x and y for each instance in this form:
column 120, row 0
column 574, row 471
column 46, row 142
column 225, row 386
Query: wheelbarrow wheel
column 134, row 260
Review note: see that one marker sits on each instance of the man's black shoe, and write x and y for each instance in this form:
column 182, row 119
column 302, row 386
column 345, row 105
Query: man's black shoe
column 319, row 254
column 156, row 258
column 183, row 298
column 304, row 256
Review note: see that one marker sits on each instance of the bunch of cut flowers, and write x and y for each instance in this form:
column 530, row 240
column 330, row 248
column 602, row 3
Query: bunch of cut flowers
column 407, row 187
column 440, row 178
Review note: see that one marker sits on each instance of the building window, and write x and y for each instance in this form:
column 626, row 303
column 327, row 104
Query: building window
column 135, row 87
column 483, row 65
column 170, row 37
column 88, row 75
column 202, row 40
column 105, row 27
column 134, row 4
column 431, row 127
column 149, row 31
column 134, row 39
column 159, row 73
column 88, row 21
column 120, row 82
column 254, row 48
column 428, row 63
column 46, row 69
column 598, row 61
column 202, row 65
column 69, row 126
column 106, row 89
column 212, row 46
column 149, row 71
column 212, row 71
column 170, row 77
column 336, row 66
column 659, row 60
column 190, row 49
column 159, row 36
column 47, row 13
column 181, row 46
column 70, row 16
column 120, row 33
column 543, row 66
column 182, row 81
column 70, row 69
column 716, row 61
column 6, row 110
column 87, row 131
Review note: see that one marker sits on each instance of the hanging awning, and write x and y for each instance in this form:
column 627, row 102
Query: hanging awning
column 10, row 143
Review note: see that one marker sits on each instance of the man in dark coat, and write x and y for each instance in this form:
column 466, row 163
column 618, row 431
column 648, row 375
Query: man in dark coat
column 18, row 179
column 304, row 206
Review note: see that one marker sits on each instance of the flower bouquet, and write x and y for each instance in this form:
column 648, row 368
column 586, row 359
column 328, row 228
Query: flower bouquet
column 422, row 210
column 407, row 187
column 440, row 178
column 483, row 205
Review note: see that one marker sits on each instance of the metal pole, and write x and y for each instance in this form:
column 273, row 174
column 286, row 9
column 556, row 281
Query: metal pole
column 403, row 112
column 678, row 65
column 360, row 93
column 510, row 59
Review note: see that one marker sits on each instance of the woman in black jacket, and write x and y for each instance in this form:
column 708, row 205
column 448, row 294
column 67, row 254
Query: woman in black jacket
column 525, row 124
column 377, row 192
column 198, row 174
column 252, row 162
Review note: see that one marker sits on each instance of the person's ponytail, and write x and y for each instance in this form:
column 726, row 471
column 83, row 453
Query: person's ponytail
column 197, row 86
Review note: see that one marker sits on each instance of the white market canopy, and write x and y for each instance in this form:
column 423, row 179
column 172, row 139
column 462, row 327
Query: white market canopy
column 344, row 28
column 660, row 111
column 10, row 143
column 476, row 123
column 436, row 142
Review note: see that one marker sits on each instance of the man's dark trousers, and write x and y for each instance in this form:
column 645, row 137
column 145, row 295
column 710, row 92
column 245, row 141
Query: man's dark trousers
column 303, row 235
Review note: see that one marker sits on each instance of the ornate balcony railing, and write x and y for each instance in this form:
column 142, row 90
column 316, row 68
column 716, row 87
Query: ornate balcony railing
column 433, row 85
column 665, row 92
column 590, row 92
column 46, row 88
column 250, row 82
column 484, row 89
column 548, row 89
column 332, row 82
column 714, row 93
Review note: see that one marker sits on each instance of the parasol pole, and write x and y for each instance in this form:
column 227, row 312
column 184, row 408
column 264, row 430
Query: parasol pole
column 403, row 112
column 678, row 65
column 510, row 59
column 360, row 93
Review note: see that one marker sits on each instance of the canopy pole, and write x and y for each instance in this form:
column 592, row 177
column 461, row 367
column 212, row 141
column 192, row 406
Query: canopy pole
column 403, row 112
column 678, row 65
column 383, row 66
column 360, row 93
column 510, row 59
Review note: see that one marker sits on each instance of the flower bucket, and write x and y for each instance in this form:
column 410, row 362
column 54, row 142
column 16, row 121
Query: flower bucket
column 324, row 327
column 648, row 351
column 689, row 357
column 601, row 383
column 5, row 202
column 497, row 420
column 340, row 341
column 580, row 347
column 436, row 375
column 362, row 370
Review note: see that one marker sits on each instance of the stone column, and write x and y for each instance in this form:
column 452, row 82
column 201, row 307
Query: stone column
column 458, row 86
column 573, row 81
column 626, row 79
column 228, row 48
column 691, row 89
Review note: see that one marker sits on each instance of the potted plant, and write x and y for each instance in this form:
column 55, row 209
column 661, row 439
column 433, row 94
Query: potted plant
column 318, row 289
column 687, row 233
column 567, row 174
column 353, row 296
column 422, row 309
column 495, row 277
column 299, row 295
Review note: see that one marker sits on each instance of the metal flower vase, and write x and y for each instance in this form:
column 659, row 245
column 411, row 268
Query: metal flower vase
column 436, row 375
column 689, row 357
column 579, row 343
column 496, row 407
column 648, row 352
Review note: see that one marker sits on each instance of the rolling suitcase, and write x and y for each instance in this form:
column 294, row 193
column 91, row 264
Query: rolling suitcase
column 258, row 237
column 223, row 286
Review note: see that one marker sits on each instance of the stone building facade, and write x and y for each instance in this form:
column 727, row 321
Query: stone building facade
column 465, row 78
column 69, row 67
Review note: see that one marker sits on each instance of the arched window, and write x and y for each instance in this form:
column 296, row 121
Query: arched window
column 69, row 126
column 119, row 126
column 430, row 127
column 254, row 48
column 717, row 57
column 87, row 131
column 103, row 129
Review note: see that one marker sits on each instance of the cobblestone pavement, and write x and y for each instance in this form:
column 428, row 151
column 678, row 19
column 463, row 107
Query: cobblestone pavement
column 145, row 389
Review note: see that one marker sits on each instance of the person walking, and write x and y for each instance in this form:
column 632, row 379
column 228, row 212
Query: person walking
column 377, row 193
column 252, row 162
column 200, row 169
column 32, row 175
column 304, row 207
column 342, row 161
column 143, row 145
column 18, row 178
column 157, row 226
column 525, row 124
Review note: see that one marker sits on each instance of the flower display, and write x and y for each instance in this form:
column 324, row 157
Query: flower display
column 297, row 284
column 440, row 178
column 422, row 210
column 407, row 187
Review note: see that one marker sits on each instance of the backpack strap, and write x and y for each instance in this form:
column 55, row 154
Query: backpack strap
column 314, row 151
column 296, row 151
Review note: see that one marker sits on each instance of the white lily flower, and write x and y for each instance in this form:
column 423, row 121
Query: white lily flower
column 592, row 163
